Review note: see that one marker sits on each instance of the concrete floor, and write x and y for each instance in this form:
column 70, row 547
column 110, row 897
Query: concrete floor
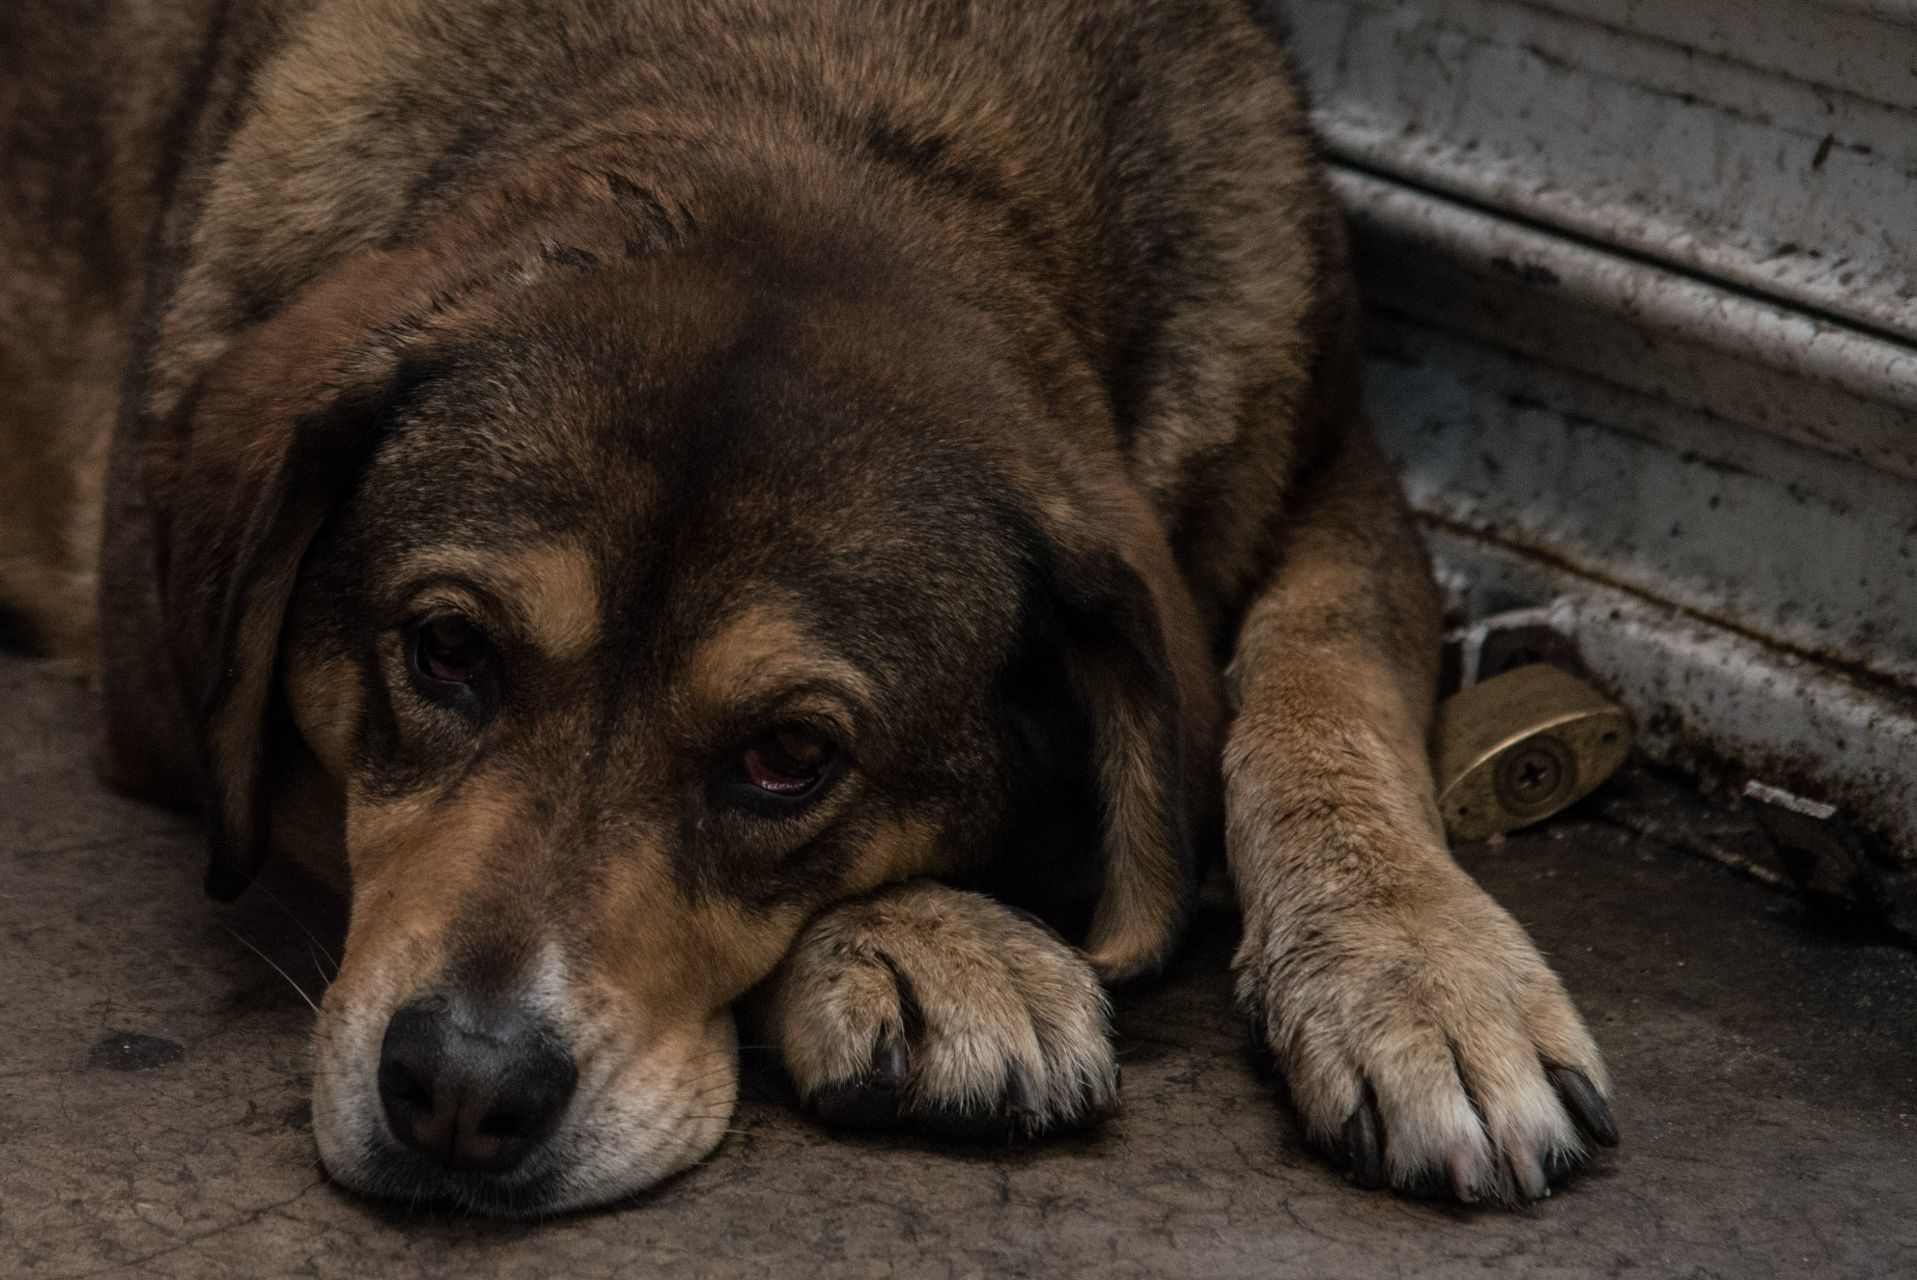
column 153, row 1083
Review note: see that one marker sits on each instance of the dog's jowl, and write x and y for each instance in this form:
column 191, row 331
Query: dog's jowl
column 734, row 506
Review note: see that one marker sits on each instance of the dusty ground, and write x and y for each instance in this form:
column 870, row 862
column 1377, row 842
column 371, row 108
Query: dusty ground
column 153, row 1086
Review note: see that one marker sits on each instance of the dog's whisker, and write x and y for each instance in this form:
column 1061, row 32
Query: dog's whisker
column 326, row 980
column 274, row 966
column 301, row 925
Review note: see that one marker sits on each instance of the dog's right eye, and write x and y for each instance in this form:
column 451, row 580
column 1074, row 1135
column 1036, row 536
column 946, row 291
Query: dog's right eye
column 449, row 658
column 788, row 761
column 781, row 769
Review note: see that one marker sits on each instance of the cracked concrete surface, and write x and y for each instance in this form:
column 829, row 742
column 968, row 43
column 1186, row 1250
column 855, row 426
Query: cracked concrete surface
column 154, row 1077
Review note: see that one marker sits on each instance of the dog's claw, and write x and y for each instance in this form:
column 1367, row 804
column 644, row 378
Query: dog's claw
column 1559, row 1166
column 889, row 1064
column 872, row 1100
column 1586, row 1105
column 1021, row 1092
column 1528, row 1173
column 1364, row 1145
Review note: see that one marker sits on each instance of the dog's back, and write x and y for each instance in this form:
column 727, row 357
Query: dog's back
column 92, row 98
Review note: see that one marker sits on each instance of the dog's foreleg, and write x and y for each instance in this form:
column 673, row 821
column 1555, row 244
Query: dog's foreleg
column 1422, row 1037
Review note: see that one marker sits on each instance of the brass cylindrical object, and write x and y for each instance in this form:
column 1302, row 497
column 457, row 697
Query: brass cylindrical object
column 1521, row 746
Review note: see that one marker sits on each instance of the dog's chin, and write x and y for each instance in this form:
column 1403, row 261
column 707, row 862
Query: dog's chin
column 627, row 1131
column 544, row 1188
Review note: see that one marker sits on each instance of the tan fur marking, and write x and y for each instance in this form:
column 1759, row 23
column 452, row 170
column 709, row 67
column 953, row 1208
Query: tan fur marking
column 688, row 959
column 763, row 649
column 560, row 592
column 896, row 851
column 552, row 590
column 414, row 854
column 324, row 696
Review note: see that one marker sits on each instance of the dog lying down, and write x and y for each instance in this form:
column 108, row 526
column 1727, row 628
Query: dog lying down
column 741, row 503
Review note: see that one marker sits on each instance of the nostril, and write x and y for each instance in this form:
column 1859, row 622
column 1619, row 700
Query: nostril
column 500, row 1125
column 412, row 1058
column 504, row 1124
column 533, row 1093
column 398, row 1083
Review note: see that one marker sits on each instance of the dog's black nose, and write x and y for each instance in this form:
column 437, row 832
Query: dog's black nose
column 472, row 1089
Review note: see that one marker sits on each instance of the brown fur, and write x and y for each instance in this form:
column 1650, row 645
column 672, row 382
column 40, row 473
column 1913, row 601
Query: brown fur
column 973, row 383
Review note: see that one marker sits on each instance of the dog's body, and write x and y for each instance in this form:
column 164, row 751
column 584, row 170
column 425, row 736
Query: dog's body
column 673, row 488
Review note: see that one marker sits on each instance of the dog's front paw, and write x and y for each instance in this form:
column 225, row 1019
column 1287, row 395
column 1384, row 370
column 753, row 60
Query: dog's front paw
column 1428, row 1047
column 927, row 1007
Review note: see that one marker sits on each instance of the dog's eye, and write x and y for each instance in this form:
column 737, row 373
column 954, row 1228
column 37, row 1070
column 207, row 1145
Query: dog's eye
column 448, row 654
column 790, row 762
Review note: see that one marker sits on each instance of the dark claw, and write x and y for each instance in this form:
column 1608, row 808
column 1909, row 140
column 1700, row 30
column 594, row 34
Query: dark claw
column 1528, row 1175
column 872, row 1100
column 1364, row 1144
column 1559, row 1166
column 1429, row 1184
column 1586, row 1105
column 1015, row 1116
column 889, row 1064
column 1021, row 1094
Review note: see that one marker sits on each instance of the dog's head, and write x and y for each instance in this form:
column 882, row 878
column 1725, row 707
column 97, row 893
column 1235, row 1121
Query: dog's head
column 639, row 604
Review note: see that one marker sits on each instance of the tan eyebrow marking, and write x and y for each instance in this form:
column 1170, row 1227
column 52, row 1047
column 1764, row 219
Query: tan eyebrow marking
column 552, row 588
column 763, row 648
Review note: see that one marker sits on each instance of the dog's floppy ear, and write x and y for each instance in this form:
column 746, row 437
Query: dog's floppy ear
column 1138, row 668
column 238, row 482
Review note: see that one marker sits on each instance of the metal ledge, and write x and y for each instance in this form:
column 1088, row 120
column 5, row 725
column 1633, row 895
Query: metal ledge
column 1636, row 324
column 1773, row 152
column 1728, row 457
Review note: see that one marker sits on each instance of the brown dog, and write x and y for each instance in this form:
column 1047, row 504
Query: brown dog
column 676, row 490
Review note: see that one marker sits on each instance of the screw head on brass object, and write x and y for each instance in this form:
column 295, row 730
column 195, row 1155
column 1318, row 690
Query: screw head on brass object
column 1520, row 746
